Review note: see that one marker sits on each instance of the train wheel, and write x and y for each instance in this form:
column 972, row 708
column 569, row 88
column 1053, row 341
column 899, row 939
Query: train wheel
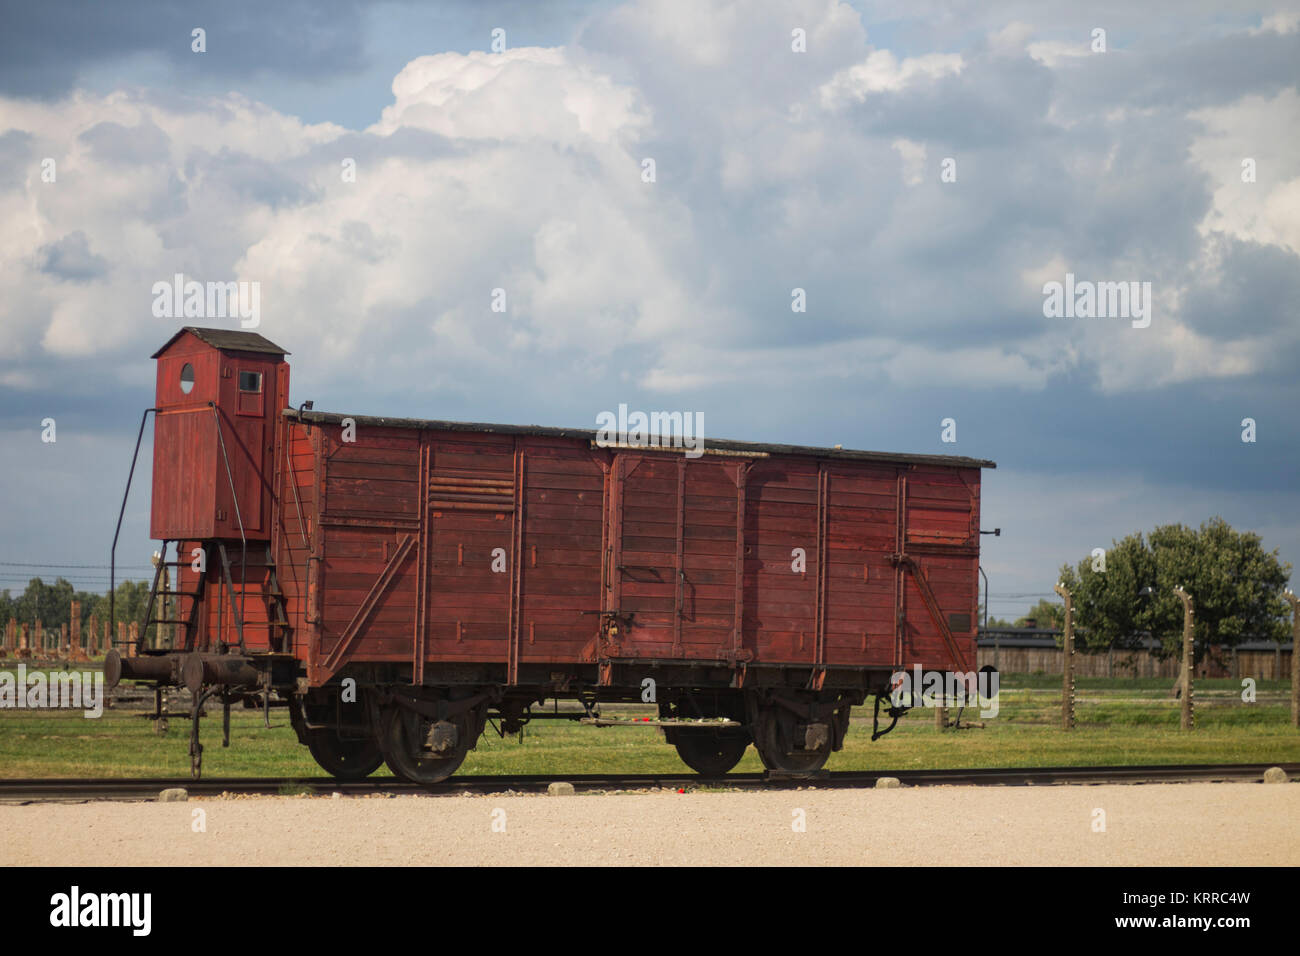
column 775, row 745
column 710, row 753
column 342, row 758
column 405, row 739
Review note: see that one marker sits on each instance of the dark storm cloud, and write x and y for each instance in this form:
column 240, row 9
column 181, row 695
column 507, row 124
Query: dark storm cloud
column 1200, row 73
column 70, row 258
column 81, row 396
column 45, row 46
column 1255, row 290
column 998, row 102
column 248, row 177
column 1045, row 169
column 404, row 142
column 139, row 145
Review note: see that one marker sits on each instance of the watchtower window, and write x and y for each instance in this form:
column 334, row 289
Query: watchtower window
column 250, row 381
column 187, row 379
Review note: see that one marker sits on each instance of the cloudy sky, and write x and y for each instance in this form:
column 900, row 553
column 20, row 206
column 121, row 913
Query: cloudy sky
column 796, row 145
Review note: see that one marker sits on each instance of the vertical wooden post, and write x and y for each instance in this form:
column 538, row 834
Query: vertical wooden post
column 422, row 558
column 515, row 634
column 24, row 643
column 121, row 637
column 679, row 568
column 1067, row 660
column 1188, row 653
column 133, row 633
column 738, row 599
column 1295, row 658
column 940, row 718
column 92, row 635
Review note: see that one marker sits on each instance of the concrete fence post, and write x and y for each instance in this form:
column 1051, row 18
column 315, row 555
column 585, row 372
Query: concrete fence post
column 74, row 630
column 1067, row 659
column 1189, row 652
column 1295, row 658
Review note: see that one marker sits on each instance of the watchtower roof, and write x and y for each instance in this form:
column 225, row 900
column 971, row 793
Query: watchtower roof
column 227, row 340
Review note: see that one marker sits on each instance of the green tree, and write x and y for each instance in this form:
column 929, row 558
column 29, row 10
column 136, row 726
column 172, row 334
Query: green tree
column 1236, row 587
column 994, row 621
column 131, row 600
column 48, row 603
column 51, row 604
column 1044, row 614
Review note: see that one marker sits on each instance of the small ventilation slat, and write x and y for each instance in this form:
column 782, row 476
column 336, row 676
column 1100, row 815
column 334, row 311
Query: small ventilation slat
column 450, row 492
column 470, row 482
column 442, row 494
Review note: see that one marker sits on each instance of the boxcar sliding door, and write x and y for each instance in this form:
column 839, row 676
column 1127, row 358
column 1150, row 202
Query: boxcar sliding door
column 675, row 555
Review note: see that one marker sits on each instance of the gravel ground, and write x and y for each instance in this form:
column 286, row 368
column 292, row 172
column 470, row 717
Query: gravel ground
column 1205, row 823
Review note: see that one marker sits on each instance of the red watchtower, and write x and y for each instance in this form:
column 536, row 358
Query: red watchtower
column 219, row 395
column 219, row 398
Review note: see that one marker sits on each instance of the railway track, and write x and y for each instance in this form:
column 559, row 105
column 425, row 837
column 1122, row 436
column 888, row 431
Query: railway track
column 79, row 790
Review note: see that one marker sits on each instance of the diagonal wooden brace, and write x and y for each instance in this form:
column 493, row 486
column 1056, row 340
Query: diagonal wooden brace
column 385, row 580
column 936, row 615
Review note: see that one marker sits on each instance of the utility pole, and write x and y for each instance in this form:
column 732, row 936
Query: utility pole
column 996, row 643
column 997, row 533
column 1067, row 660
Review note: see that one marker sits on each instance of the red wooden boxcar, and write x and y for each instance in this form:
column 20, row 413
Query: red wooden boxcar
column 397, row 582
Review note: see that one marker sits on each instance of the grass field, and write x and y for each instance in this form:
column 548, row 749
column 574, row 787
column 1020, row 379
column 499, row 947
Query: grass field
column 1120, row 721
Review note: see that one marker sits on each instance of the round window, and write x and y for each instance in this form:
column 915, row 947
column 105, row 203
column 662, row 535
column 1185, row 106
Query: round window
column 187, row 378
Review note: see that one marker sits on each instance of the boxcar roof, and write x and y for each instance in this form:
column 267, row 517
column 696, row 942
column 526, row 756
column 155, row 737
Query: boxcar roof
column 718, row 444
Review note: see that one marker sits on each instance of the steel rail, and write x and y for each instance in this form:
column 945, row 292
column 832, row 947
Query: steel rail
column 83, row 789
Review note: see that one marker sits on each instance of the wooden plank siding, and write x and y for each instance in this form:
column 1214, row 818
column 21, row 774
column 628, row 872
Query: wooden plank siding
column 519, row 542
